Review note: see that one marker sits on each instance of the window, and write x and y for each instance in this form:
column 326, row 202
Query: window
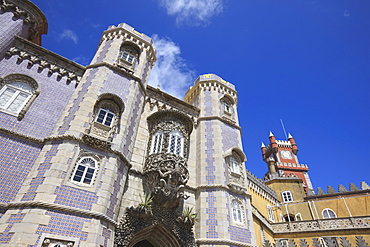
column 175, row 143
column 227, row 107
column 328, row 213
column 237, row 212
column 128, row 56
column 287, row 196
column 270, row 213
column 157, row 140
column 105, row 117
column 234, row 164
column 85, row 170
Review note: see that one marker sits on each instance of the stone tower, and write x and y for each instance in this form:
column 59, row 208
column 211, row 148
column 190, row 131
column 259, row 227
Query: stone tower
column 222, row 198
column 284, row 170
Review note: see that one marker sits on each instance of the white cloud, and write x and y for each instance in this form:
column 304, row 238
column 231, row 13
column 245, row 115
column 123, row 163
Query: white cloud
column 69, row 34
column 192, row 12
column 346, row 13
column 170, row 71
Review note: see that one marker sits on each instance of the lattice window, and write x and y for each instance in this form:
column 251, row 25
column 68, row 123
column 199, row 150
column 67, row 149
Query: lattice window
column 287, row 196
column 175, row 143
column 85, row 171
column 157, row 141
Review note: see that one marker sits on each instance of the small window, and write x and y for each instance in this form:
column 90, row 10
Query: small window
column 105, row 117
column 157, row 141
column 128, row 56
column 234, row 164
column 175, row 143
column 328, row 213
column 85, row 170
column 287, row 196
column 237, row 212
column 227, row 107
column 14, row 96
column 270, row 213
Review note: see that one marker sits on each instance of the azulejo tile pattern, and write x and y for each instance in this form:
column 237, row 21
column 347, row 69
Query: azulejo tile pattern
column 43, row 167
column 17, row 157
column 64, row 224
column 113, row 198
column 6, row 236
column 73, row 197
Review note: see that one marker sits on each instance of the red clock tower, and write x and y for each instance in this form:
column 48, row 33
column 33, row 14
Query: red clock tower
column 281, row 158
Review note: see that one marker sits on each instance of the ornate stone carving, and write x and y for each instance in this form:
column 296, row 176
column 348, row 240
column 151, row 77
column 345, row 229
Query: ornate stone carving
column 166, row 175
column 163, row 225
column 96, row 142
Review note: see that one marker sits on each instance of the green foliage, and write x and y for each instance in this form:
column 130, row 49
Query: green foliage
column 146, row 203
column 188, row 216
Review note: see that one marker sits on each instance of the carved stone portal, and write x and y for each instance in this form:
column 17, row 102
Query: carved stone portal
column 166, row 175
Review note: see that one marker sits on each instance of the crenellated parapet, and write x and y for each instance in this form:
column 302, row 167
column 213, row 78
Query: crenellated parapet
column 30, row 14
column 342, row 190
column 127, row 33
column 35, row 55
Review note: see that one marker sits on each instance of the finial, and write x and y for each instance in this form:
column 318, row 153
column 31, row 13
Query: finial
column 271, row 134
column 289, row 136
column 263, row 145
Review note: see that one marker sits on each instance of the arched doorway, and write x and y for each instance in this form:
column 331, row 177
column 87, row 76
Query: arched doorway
column 154, row 236
column 144, row 243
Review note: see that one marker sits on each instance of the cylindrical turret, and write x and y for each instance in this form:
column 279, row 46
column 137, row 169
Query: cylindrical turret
column 273, row 143
column 294, row 145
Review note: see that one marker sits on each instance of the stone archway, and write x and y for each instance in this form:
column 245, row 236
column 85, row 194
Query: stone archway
column 154, row 236
column 144, row 243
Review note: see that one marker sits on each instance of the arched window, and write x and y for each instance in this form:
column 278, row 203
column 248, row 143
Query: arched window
column 85, row 170
column 17, row 92
column 270, row 213
column 157, row 141
column 287, row 196
column 175, row 143
column 106, row 115
column 129, row 56
column 237, row 212
column 328, row 213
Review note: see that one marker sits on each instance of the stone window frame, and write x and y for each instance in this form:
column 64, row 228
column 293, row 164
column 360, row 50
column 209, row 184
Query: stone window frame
column 83, row 155
column 227, row 105
column 110, row 103
column 287, row 196
column 168, row 121
column 237, row 213
column 128, row 50
column 49, row 240
column 328, row 213
column 238, row 155
column 35, row 91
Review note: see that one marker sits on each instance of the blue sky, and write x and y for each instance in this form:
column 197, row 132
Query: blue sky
column 304, row 61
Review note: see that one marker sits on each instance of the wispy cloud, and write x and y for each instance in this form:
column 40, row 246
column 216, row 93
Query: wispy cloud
column 346, row 13
column 170, row 71
column 193, row 12
column 69, row 34
column 81, row 60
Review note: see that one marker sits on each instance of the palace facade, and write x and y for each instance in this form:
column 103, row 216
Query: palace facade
column 94, row 156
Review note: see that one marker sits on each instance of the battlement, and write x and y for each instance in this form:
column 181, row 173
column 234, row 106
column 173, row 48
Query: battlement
column 282, row 143
column 341, row 189
column 132, row 31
